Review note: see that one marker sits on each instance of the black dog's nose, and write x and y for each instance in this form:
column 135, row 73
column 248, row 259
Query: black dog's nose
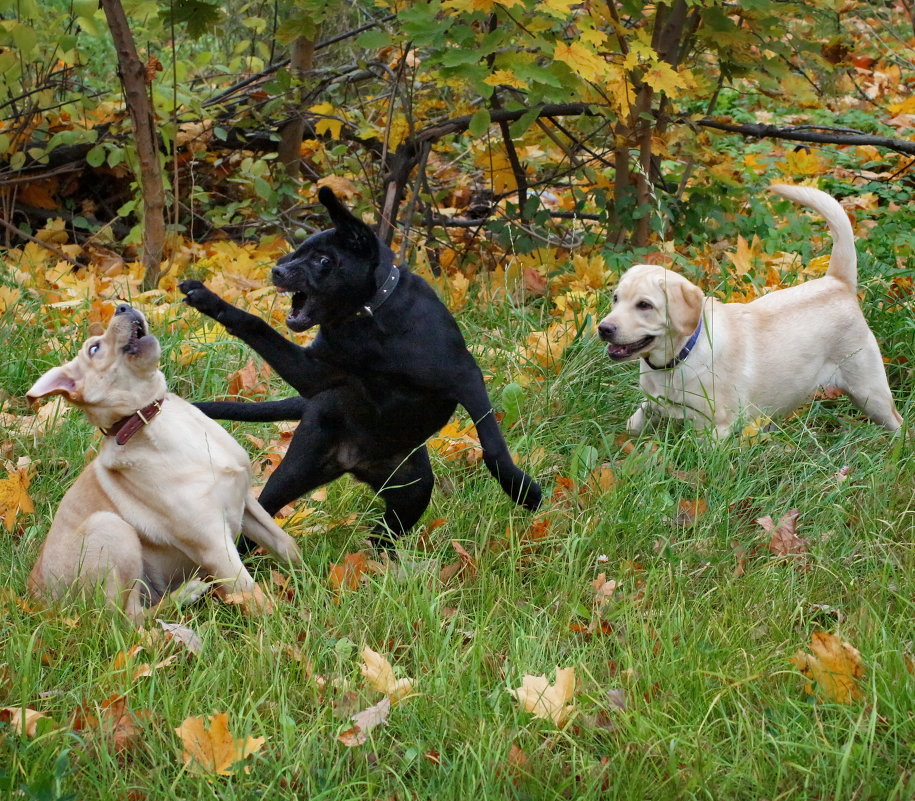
column 606, row 331
column 123, row 308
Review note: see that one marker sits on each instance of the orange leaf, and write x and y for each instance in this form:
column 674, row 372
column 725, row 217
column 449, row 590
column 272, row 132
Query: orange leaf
column 214, row 749
column 466, row 564
column 14, row 495
column 113, row 720
column 379, row 673
column 688, row 511
column 23, row 721
column 835, row 666
column 348, row 574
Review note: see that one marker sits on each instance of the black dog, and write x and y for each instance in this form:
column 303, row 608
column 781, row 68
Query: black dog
column 385, row 373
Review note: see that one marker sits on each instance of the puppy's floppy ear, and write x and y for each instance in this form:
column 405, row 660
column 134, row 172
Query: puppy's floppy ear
column 355, row 235
column 684, row 306
column 64, row 380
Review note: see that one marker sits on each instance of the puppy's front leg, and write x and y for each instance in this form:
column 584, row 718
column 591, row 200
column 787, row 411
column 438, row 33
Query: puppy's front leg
column 636, row 422
column 293, row 363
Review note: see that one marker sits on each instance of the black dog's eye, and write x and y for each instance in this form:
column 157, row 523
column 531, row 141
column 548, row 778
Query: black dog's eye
column 643, row 305
column 324, row 261
column 93, row 348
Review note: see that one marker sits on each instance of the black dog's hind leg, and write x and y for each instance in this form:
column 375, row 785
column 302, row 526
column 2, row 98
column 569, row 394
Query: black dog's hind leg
column 260, row 412
column 405, row 487
column 517, row 484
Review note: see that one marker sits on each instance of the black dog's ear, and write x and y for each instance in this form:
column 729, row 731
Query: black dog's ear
column 354, row 233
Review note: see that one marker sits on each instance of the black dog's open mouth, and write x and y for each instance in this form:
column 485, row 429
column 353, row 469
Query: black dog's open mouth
column 298, row 318
column 627, row 349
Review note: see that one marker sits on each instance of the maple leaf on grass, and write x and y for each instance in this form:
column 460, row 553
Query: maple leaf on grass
column 545, row 700
column 112, row 720
column 14, row 495
column 22, row 721
column 365, row 721
column 465, row 566
column 379, row 673
column 214, row 750
column 785, row 541
column 834, row 668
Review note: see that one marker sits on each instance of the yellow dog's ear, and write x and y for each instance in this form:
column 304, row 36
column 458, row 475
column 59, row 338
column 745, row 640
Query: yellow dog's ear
column 64, row 380
column 684, row 307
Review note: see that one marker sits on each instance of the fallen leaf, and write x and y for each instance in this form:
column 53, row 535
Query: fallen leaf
column 113, row 720
column 252, row 602
column 545, row 700
column 349, row 574
column 250, row 381
column 835, row 667
column 22, row 721
column 785, row 541
column 603, row 593
column 214, row 749
column 379, row 673
column 14, row 495
column 465, row 566
column 688, row 511
column 183, row 635
column 365, row 721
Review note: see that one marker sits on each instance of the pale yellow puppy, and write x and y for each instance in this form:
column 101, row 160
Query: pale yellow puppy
column 167, row 494
column 713, row 362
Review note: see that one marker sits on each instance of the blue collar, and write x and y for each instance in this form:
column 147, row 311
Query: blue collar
column 681, row 356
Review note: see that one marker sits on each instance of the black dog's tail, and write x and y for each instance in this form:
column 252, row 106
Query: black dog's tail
column 263, row 412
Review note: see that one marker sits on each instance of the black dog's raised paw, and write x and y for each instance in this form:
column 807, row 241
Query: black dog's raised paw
column 197, row 296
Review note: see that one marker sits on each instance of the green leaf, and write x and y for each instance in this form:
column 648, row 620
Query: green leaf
column 584, row 460
column 373, row 40
column 197, row 16
column 96, row 156
column 479, row 123
column 512, row 403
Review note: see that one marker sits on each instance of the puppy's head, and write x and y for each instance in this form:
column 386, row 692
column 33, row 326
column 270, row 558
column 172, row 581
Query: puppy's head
column 113, row 375
column 331, row 274
column 654, row 310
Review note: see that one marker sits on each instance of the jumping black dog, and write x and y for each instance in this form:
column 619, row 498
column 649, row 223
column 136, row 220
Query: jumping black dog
column 385, row 372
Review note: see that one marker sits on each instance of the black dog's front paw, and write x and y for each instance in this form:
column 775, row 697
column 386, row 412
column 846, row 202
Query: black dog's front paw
column 532, row 497
column 197, row 296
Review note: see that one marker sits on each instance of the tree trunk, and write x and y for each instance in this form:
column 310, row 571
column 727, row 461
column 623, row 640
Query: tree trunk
column 290, row 146
column 132, row 73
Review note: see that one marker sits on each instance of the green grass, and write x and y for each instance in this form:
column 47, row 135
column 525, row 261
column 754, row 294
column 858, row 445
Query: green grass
column 713, row 707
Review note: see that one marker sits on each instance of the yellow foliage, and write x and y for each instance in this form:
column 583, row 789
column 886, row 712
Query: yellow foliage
column 835, row 668
column 545, row 700
column 214, row 750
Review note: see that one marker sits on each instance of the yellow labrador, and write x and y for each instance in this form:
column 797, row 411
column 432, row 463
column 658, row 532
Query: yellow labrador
column 167, row 494
column 711, row 362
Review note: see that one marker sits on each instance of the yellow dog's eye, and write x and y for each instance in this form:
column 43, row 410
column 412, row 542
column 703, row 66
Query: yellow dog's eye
column 93, row 348
column 644, row 305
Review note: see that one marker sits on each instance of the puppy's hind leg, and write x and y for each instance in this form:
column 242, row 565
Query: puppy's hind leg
column 406, row 488
column 863, row 377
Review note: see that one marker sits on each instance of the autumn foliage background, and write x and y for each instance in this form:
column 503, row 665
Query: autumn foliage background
column 683, row 619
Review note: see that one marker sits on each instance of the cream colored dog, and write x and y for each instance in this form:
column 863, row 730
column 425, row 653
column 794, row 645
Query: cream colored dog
column 713, row 362
column 167, row 494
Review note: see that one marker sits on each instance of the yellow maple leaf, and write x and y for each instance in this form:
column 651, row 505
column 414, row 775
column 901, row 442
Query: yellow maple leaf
column 8, row 297
column 505, row 78
column 545, row 700
column 23, row 721
column 746, row 256
column 663, row 78
column 14, row 495
column 379, row 673
column 328, row 123
column 214, row 749
column 835, row 666
column 546, row 347
column 803, row 162
column 582, row 60
column 454, row 442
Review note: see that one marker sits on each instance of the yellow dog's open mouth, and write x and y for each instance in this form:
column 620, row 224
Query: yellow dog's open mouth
column 618, row 352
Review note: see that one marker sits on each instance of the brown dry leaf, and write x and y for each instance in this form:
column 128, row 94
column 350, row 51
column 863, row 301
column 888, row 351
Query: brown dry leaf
column 688, row 511
column 349, row 574
column 545, row 700
column 46, row 420
column 22, row 721
column 214, row 749
column 379, row 673
column 365, row 721
column 252, row 603
column 250, row 381
column 535, row 283
column 835, row 666
column 113, row 720
column 785, row 541
column 14, row 495
column 465, row 566
column 603, row 593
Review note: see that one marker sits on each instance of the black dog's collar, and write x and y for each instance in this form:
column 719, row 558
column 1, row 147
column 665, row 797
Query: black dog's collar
column 690, row 344
column 384, row 292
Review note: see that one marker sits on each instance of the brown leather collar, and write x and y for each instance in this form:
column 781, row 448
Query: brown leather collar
column 126, row 427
